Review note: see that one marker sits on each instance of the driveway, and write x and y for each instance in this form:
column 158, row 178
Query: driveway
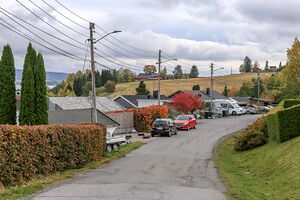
column 173, row 168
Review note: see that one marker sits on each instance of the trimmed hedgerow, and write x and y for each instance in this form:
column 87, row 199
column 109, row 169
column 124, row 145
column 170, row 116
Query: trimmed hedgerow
column 253, row 136
column 29, row 151
column 144, row 117
column 290, row 102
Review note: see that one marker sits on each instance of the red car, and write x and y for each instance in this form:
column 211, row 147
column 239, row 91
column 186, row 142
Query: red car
column 186, row 122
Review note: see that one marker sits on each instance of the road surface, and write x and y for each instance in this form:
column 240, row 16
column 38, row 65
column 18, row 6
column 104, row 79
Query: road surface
column 176, row 168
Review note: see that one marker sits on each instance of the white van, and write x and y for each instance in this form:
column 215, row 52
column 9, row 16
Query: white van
column 232, row 107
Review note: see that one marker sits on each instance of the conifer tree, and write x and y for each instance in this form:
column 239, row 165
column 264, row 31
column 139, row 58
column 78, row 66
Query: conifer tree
column 7, row 87
column 142, row 89
column 27, row 109
column 41, row 103
column 194, row 72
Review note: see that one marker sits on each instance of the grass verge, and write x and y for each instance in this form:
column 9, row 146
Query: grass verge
column 41, row 183
column 268, row 172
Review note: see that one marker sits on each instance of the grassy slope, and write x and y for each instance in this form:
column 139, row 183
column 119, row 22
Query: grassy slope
column 170, row 86
column 43, row 182
column 268, row 172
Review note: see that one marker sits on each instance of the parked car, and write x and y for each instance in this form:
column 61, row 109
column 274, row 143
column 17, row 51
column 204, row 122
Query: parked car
column 250, row 110
column 185, row 122
column 163, row 127
column 263, row 108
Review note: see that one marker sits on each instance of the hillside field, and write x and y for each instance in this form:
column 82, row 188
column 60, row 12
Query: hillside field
column 170, row 86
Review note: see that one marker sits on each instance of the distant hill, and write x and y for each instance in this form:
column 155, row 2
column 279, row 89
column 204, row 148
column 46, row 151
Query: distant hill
column 52, row 78
column 170, row 86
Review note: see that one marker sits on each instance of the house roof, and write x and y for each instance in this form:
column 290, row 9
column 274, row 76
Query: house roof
column 133, row 99
column 204, row 96
column 262, row 100
column 103, row 104
column 241, row 99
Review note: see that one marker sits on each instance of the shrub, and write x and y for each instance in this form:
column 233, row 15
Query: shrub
column 144, row 117
column 253, row 136
column 110, row 86
column 29, row 151
column 290, row 102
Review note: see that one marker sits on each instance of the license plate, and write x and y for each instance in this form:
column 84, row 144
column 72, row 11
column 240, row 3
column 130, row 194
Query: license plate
column 159, row 128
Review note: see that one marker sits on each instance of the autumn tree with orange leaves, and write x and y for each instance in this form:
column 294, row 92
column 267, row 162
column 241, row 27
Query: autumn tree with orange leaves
column 185, row 102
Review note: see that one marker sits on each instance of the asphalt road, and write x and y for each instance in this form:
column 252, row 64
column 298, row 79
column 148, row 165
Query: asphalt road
column 176, row 168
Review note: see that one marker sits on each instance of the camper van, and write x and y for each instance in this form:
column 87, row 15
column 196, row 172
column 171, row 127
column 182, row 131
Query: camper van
column 231, row 107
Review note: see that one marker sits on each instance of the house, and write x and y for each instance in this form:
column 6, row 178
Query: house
column 146, row 76
column 273, row 69
column 139, row 101
column 204, row 95
column 261, row 101
column 74, row 110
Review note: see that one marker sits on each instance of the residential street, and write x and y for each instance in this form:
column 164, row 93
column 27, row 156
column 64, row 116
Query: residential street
column 173, row 168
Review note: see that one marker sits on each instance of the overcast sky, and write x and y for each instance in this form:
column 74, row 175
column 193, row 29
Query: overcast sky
column 194, row 31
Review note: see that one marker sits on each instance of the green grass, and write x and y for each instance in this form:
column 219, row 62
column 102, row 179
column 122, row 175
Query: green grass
column 268, row 172
column 41, row 183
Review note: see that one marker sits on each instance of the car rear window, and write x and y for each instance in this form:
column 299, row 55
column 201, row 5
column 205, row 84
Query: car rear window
column 160, row 122
column 182, row 118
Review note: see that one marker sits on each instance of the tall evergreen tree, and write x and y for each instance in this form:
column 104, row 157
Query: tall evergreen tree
column 194, row 72
column 247, row 64
column 27, row 108
column 7, row 87
column 98, row 79
column 267, row 66
column 178, row 73
column 225, row 92
column 142, row 89
column 41, row 103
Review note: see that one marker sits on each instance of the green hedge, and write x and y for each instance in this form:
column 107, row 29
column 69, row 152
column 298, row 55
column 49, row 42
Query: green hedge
column 29, row 151
column 290, row 102
column 283, row 121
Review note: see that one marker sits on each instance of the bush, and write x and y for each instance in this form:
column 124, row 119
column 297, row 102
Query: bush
column 290, row 102
column 144, row 117
column 110, row 86
column 253, row 136
column 30, row 151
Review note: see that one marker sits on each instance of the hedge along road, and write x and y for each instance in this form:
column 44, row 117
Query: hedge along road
column 173, row 168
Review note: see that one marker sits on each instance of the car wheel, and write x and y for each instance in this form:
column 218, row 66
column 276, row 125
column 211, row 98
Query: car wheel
column 152, row 134
column 109, row 148
column 115, row 147
column 233, row 113
column 195, row 126
column 169, row 133
column 188, row 128
column 248, row 112
column 175, row 133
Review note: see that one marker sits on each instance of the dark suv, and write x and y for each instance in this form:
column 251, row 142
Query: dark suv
column 163, row 127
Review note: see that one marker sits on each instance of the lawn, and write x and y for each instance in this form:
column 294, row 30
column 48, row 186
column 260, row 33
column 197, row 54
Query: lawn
column 268, row 172
column 41, row 183
column 170, row 86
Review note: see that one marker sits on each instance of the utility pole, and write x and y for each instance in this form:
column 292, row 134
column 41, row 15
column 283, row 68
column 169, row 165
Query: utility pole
column 258, row 87
column 159, row 63
column 94, row 109
column 211, row 85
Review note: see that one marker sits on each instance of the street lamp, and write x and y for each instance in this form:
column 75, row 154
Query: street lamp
column 92, row 42
column 159, row 63
column 212, row 70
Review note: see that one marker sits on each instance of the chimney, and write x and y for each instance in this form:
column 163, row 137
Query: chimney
column 208, row 91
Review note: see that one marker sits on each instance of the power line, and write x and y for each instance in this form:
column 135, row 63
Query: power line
column 45, row 32
column 43, row 39
column 49, row 23
column 34, row 41
column 116, row 39
column 79, row 33
column 65, row 16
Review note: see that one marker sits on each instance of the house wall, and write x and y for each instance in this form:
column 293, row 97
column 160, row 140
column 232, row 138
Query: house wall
column 149, row 102
column 77, row 116
column 125, row 119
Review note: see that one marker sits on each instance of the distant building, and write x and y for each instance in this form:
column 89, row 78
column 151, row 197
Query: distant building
column 273, row 69
column 151, row 76
column 204, row 95
column 139, row 101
